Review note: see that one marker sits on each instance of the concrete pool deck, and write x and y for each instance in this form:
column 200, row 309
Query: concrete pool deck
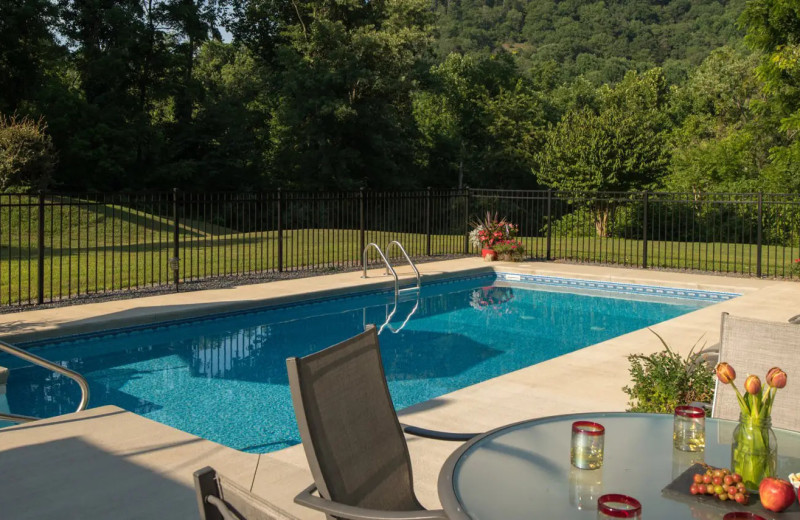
column 105, row 457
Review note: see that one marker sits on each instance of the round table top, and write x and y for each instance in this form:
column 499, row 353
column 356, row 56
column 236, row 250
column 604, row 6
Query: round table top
column 523, row 470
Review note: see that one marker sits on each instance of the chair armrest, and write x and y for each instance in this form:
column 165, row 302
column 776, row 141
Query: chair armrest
column 222, row 507
column 437, row 435
column 306, row 498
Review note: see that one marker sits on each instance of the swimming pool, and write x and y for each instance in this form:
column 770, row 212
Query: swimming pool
column 224, row 377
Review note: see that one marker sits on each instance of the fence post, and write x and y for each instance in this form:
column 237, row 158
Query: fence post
column 759, row 232
column 362, row 203
column 646, row 198
column 175, row 260
column 40, row 255
column 280, row 230
column 549, row 223
column 428, row 222
column 467, row 196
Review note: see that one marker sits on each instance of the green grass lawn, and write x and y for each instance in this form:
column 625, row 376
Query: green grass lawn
column 93, row 247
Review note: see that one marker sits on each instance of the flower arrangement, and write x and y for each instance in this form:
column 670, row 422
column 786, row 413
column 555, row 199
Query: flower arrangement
column 492, row 230
column 754, row 445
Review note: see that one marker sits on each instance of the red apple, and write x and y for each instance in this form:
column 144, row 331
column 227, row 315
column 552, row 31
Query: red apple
column 776, row 494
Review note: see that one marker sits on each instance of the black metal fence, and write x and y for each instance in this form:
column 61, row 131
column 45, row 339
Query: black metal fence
column 54, row 247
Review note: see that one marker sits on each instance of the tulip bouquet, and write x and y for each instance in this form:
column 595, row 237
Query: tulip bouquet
column 754, row 450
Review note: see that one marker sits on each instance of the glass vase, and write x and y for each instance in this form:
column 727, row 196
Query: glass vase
column 754, row 451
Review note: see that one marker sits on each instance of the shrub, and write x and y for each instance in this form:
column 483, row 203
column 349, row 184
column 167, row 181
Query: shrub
column 27, row 157
column 665, row 380
column 509, row 250
column 624, row 221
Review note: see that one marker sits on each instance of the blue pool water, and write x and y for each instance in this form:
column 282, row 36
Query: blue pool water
column 225, row 378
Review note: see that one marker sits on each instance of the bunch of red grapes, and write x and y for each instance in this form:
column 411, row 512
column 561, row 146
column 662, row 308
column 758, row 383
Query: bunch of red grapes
column 722, row 484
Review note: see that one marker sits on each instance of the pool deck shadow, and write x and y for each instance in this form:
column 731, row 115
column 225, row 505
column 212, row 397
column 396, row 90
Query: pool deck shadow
column 586, row 380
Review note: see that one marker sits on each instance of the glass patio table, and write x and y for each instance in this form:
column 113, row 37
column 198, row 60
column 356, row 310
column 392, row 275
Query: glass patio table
column 523, row 470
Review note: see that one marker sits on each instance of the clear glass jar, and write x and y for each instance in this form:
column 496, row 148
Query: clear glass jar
column 588, row 440
column 754, row 450
column 689, row 428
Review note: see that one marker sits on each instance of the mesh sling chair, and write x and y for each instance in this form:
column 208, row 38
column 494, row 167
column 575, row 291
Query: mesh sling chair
column 353, row 440
column 753, row 347
column 221, row 499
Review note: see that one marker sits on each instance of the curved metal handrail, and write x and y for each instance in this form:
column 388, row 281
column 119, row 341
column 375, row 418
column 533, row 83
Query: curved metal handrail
column 405, row 322
column 389, row 268
column 36, row 360
column 408, row 259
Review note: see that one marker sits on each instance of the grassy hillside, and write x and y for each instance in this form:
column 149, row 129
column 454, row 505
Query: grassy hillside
column 561, row 39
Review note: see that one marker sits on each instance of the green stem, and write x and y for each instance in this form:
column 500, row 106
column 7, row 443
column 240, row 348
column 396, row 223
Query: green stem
column 742, row 402
column 751, row 456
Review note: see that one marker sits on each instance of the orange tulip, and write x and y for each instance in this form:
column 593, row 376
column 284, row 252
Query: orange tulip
column 753, row 385
column 725, row 373
column 776, row 378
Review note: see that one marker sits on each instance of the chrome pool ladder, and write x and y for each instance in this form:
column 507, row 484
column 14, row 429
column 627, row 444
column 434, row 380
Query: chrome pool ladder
column 42, row 362
column 389, row 268
column 397, row 290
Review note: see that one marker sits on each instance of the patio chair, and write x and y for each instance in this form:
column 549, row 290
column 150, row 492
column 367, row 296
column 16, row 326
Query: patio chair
column 753, row 347
column 353, row 440
column 221, row 499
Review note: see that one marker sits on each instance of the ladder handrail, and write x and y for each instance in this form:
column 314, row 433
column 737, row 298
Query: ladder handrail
column 42, row 362
column 408, row 259
column 405, row 322
column 389, row 268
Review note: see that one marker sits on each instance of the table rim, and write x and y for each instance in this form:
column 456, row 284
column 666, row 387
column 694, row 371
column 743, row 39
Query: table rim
column 446, row 489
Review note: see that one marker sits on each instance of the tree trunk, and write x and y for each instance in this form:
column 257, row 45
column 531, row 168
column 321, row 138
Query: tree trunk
column 603, row 214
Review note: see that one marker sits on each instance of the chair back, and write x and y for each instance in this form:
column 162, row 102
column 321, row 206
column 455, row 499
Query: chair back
column 753, row 347
column 351, row 435
column 219, row 498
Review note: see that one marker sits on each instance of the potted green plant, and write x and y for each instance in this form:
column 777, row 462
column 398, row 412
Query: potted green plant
column 509, row 250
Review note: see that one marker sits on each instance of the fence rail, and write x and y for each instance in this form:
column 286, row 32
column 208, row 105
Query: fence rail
column 60, row 246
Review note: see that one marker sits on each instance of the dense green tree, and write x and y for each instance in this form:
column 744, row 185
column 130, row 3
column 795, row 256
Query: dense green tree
column 722, row 138
column 480, row 122
column 773, row 27
column 453, row 120
column 232, row 118
column 28, row 49
column 344, row 114
column 621, row 147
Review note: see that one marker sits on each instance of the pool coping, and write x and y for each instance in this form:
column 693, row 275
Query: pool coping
column 35, row 327
column 539, row 281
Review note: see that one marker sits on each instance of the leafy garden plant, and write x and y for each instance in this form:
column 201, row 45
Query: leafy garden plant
column 511, row 249
column 665, row 380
